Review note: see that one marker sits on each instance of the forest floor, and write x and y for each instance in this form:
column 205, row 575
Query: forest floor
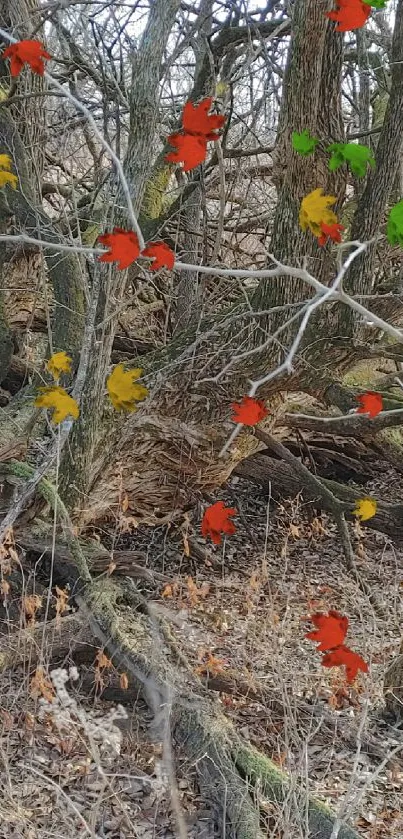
column 244, row 610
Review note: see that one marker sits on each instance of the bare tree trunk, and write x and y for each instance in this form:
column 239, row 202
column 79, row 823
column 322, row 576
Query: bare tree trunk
column 144, row 95
column 184, row 423
column 187, row 290
column 372, row 204
column 311, row 100
column 188, row 293
column 22, row 132
column 364, row 81
column 16, row 16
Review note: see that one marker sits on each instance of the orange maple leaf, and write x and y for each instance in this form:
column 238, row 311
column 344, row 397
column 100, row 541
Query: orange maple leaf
column 161, row 253
column 216, row 521
column 350, row 14
column 371, row 403
column 249, row 411
column 26, row 52
column 191, row 150
column 330, row 231
column 331, row 630
column 124, row 247
column 351, row 660
column 196, row 120
column 210, row 664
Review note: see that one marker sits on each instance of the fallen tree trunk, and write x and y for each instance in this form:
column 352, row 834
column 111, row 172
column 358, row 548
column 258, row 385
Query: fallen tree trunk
column 232, row 774
column 100, row 561
column 234, row 778
column 282, row 481
column 357, row 425
column 62, row 636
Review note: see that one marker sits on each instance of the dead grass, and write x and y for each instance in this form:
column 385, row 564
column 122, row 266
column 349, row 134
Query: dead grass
column 243, row 611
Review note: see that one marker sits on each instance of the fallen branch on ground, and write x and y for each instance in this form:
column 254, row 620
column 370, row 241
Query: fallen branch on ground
column 285, row 483
column 335, row 506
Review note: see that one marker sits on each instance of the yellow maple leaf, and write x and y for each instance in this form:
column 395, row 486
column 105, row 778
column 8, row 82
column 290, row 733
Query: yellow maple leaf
column 315, row 210
column 123, row 390
column 6, row 177
column 365, row 508
column 59, row 401
column 5, row 162
column 58, row 363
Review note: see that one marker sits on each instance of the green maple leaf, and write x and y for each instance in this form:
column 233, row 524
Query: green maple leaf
column 356, row 156
column 303, row 143
column 394, row 230
column 378, row 4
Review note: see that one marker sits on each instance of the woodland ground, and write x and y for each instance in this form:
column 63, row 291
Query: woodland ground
column 281, row 565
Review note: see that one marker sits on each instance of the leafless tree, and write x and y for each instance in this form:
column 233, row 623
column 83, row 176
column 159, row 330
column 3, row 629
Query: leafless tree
column 253, row 305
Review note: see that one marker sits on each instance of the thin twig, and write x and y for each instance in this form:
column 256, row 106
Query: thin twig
column 61, row 791
column 84, row 110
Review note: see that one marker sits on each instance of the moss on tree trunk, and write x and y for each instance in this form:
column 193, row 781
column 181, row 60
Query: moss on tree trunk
column 232, row 774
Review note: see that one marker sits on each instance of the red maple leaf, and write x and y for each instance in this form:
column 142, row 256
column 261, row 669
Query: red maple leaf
column 124, row 247
column 196, row 120
column 26, row 52
column 331, row 630
column 198, row 128
column 351, row 14
column 191, row 150
column 351, row 660
column 249, row 411
column 330, row 231
column 161, row 253
column 216, row 521
column 371, row 403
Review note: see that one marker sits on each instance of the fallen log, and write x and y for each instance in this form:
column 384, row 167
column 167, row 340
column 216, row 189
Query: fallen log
column 350, row 425
column 283, row 482
column 61, row 637
column 232, row 774
column 100, row 561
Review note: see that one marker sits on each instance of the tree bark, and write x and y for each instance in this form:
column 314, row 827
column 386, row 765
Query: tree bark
column 144, row 96
column 372, row 204
column 64, row 269
column 185, row 421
